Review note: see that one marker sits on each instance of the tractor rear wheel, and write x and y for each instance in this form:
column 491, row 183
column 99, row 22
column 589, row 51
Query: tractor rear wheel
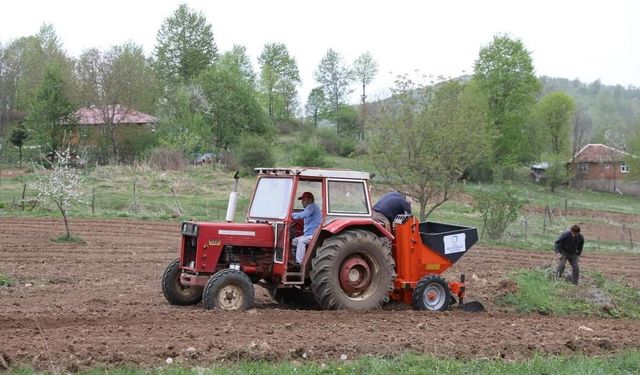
column 432, row 293
column 174, row 291
column 228, row 289
column 353, row 270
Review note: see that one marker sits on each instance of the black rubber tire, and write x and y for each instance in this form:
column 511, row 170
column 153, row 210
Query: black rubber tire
column 326, row 264
column 176, row 293
column 236, row 286
column 436, row 285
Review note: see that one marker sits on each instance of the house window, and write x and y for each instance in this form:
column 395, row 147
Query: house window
column 583, row 167
column 624, row 168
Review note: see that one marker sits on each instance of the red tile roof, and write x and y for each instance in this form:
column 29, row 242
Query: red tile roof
column 94, row 116
column 598, row 153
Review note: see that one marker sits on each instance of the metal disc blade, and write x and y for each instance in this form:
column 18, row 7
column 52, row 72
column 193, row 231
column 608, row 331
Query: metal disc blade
column 473, row 306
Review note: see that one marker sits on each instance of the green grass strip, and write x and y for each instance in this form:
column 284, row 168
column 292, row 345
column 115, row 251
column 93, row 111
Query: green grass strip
column 624, row 363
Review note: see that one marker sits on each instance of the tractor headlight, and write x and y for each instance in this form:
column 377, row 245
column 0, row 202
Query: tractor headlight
column 189, row 229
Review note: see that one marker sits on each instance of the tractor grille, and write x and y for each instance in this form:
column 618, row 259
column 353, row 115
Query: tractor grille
column 190, row 246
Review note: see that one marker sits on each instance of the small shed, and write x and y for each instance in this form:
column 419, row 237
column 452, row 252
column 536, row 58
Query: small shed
column 537, row 171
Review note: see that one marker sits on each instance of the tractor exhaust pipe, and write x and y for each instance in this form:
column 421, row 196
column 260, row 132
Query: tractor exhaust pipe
column 233, row 199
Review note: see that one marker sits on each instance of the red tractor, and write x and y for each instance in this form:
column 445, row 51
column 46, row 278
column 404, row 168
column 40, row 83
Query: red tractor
column 352, row 262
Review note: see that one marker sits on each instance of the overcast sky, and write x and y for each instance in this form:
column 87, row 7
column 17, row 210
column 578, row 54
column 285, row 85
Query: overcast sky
column 586, row 39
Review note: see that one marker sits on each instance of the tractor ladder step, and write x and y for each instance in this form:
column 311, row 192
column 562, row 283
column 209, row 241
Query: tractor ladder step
column 293, row 278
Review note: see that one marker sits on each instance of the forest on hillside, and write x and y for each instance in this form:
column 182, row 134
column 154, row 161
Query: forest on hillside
column 610, row 113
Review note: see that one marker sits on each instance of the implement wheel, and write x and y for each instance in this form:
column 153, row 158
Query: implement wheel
column 432, row 293
column 174, row 291
column 353, row 270
column 228, row 290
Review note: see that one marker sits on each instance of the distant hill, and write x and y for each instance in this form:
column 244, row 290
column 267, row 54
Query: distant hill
column 611, row 113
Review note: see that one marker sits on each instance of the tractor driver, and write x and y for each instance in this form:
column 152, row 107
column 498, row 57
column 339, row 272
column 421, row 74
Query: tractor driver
column 312, row 218
column 389, row 206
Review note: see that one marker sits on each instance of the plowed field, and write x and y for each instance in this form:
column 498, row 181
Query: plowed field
column 81, row 305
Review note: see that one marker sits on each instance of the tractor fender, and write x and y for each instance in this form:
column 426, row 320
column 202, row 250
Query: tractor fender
column 340, row 224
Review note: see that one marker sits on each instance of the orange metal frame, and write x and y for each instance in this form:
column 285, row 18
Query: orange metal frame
column 414, row 260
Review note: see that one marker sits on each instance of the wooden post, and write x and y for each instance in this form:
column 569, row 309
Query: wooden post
column 24, row 189
column 173, row 191
column 526, row 227
column 544, row 224
column 630, row 238
column 93, row 201
column 135, row 204
column 566, row 206
column 622, row 234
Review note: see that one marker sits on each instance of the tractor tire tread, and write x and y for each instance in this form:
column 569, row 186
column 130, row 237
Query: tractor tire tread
column 207, row 299
column 325, row 260
column 168, row 287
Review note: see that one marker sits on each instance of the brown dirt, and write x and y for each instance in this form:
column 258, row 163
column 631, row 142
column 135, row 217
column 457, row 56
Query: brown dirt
column 81, row 305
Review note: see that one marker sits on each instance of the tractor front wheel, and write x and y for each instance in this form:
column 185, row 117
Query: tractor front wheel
column 228, row 289
column 431, row 293
column 353, row 270
column 174, row 291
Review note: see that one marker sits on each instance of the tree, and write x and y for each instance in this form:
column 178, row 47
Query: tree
column 184, row 46
column 334, row 77
column 239, row 61
column 582, row 125
column 365, row 69
column 19, row 136
column 23, row 63
column 424, row 138
column 499, row 208
column 61, row 185
column 234, row 109
column 279, row 79
column 116, row 82
column 632, row 160
column 316, row 104
column 185, row 125
column 557, row 174
column 51, row 112
column 505, row 73
column 555, row 112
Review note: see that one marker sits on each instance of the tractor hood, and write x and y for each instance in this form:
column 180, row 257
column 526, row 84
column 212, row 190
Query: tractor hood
column 237, row 234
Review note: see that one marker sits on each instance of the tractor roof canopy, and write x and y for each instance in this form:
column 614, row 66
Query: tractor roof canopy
column 313, row 172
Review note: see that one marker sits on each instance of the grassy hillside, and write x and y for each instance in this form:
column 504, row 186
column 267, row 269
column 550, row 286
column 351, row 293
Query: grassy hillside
column 201, row 193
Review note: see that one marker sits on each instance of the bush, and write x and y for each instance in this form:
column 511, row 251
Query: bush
column 134, row 142
column 166, row 159
column 335, row 145
column 310, row 155
column 253, row 152
column 288, row 126
column 5, row 280
column 499, row 208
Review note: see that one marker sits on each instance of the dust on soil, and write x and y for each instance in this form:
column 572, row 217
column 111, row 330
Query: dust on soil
column 76, row 306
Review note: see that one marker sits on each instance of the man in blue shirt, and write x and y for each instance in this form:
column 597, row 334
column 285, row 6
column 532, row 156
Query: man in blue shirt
column 312, row 216
column 389, row 206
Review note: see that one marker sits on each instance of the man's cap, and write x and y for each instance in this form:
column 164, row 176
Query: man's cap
column 307, row 195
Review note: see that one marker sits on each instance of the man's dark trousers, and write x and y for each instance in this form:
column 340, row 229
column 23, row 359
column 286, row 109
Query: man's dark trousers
column 575, row 270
